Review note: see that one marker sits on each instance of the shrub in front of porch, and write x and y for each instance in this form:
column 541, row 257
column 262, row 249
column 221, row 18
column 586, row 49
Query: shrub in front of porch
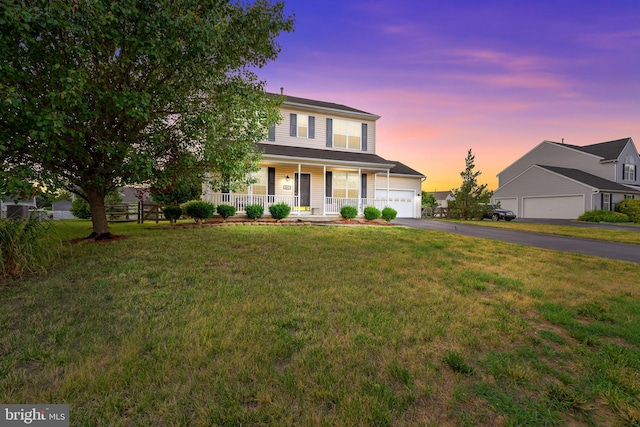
column 198, row 210
column 631, row 208
column 279, row 211
column 389, row 213
column 225, row 211
column 254, row 211
column 348, row 212
column 172, row 213
column 371, row 213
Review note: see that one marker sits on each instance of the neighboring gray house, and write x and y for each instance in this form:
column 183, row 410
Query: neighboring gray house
column 556, row 180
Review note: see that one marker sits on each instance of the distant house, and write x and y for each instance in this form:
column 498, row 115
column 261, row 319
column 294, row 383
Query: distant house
column 556, row 180
column 443, row 198
column 16, row 207
column 323, row 157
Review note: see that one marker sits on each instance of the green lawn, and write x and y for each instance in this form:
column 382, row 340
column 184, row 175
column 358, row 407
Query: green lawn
column 351, row 326
column 631, row 235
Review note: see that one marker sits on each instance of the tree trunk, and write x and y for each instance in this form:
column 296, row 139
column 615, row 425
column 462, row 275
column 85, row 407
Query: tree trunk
column 98, row 214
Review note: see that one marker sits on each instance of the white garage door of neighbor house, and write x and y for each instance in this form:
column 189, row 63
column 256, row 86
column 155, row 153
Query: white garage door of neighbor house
column 561, row 207
column 402, row 201
column 509, row 204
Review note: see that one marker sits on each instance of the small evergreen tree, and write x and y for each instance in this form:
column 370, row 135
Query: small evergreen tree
column 468, row 199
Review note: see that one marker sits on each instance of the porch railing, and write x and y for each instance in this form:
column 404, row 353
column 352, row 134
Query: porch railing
column 332, row 204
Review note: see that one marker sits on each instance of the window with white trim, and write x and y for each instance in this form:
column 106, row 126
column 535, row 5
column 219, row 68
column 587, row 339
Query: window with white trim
column 629, row 169
column 606, row 201
column 347, row 134
column 345, row 185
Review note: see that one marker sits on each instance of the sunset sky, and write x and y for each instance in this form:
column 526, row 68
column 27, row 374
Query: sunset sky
column 497, row 77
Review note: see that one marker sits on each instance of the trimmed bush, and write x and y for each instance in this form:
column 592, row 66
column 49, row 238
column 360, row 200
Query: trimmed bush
column 371, row 213
column 279, row 211
column 199, row 210
column 172, row 213
column 631, row 208
column 254, row 211
column 389, row 213
column 349, row 212
column 225, row 211
column 603, row 216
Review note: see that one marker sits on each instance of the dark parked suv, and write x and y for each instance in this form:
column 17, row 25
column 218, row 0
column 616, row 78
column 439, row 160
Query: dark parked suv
column 495, row 213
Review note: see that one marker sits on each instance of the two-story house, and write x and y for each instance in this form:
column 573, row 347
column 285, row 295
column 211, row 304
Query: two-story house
column 321, row 157
column 557, row 180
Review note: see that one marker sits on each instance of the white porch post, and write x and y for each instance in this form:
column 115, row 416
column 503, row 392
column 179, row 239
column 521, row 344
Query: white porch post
column 207, row 188
column 250, row 189
column 299, row 188
column 359, row 190
column 324, row 190
column 387, row 187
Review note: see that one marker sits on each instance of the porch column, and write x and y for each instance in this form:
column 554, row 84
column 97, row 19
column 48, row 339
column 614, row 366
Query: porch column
column 250, row 189
column 359, row 190
column 299, row 187
column 387, row 187
column 324, row 190
column 207, row 188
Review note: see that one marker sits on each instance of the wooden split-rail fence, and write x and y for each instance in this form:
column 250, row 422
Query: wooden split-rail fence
column 129, row 212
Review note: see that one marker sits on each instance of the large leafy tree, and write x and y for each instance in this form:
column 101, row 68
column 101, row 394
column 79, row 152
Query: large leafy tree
column 469, row 197
column 97, row 94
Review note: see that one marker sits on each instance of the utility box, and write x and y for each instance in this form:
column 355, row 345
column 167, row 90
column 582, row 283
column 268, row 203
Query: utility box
column 17, row 212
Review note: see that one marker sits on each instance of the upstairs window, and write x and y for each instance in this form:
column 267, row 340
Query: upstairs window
column 629, row 169
column 346, row 134
column 302, row 126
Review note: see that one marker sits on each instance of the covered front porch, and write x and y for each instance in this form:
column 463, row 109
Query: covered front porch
column 309, row 189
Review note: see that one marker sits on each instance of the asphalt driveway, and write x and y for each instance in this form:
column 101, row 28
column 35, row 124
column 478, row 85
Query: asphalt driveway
column 612, row 250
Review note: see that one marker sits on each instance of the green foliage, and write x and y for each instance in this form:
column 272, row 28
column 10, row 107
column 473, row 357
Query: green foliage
column 80, row 208
column 180, row 191
column 225, row 211
column 429, row 200
column 348, row 212
column 23, row 248
column 603, row 216
column 254, row 211
column 172, row 213
column 468, row 199
column 371, row 213
column 198, row 209
column 279, row 211
column 631, row 208
column 389, row 213
column 457, row 363
column 86, row 89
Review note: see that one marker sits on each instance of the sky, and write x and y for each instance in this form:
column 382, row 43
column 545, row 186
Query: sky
column 496, row 77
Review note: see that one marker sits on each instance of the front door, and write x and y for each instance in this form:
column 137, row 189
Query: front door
column 305, row 193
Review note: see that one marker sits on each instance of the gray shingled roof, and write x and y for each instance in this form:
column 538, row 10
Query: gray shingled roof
column 590, row 180
column 402, row 169
column 321, row 104
column 609, row 150
column 318, row 154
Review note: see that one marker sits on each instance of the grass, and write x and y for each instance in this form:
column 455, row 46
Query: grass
column 323, row 326
column 631, row 236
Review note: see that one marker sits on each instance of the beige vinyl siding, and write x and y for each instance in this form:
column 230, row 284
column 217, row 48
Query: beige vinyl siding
column 628, row 151
column 549, row 154
column 320, row 140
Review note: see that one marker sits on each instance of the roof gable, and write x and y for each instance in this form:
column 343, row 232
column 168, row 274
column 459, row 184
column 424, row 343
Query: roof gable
column 609, row 150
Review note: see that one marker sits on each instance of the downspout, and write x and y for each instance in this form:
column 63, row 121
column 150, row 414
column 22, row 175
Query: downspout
column 299, row 188
column 324, row 190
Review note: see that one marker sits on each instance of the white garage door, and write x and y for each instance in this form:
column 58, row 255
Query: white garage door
column 509, row 204
column 400, row 200
column 560, row 207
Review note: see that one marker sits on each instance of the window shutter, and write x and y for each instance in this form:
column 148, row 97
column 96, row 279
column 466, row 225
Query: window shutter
column 329, row 184
column 293, row 125
column 364, row 137
column 271, row 181
column 312, row 127
column 363, row 187
column 601, row 201
column 272, row 133
column 329, row 132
